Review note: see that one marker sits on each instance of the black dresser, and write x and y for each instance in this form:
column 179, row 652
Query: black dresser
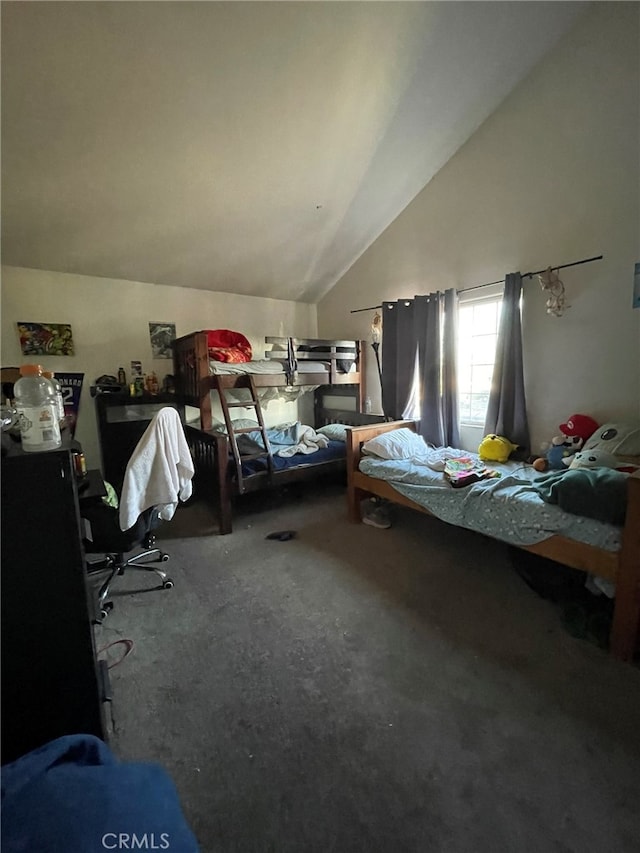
column 52, row 683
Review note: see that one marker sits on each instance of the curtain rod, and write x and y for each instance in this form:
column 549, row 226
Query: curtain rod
column 501, row 281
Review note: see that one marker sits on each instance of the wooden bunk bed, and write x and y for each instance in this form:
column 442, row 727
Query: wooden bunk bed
column 194, row 379
column 223, row 469
column 621, row 567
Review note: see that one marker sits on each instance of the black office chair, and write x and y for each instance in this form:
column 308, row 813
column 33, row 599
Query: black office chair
column 116, row 546
column 160, row 468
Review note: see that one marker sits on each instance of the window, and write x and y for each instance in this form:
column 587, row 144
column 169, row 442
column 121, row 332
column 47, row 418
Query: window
column 478, row 321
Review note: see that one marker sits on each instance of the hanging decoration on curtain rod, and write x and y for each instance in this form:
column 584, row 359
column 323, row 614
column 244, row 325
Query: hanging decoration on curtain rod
column 501, row 281
column 376, row 337
column 556, row 303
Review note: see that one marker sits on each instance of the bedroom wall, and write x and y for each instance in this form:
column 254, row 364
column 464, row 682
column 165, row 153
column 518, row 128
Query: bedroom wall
column 109, row 320
column 550, row 178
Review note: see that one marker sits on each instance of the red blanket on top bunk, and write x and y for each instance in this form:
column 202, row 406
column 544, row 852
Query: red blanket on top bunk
column 225, row 345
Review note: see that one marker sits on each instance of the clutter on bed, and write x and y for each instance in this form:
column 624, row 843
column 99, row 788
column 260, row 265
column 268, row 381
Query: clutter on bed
column 464, row 472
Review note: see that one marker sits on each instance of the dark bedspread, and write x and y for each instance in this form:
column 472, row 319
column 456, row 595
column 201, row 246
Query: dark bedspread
column 335, row 450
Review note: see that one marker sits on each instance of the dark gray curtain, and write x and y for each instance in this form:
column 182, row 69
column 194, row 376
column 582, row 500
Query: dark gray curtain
column 426, row 326
column 435, row 331
column 507, row 410
column 398, row 356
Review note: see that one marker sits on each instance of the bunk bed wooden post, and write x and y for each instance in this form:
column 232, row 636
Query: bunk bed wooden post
column 225, row 514
column 204, row 382
column 626, row 615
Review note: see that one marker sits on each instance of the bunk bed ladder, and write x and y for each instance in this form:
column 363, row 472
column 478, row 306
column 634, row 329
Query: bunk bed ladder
column 224, row 383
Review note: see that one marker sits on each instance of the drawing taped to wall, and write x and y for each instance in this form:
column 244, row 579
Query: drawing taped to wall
column 45, row 338
column 161, row 335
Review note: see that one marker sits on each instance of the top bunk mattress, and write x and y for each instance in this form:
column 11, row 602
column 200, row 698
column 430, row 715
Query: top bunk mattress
column 267, row 367
column 508, row 508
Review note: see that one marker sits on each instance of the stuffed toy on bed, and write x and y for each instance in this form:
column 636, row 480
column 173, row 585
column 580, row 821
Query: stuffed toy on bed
column 573, row 434
column 495, row 448
column 593, row 459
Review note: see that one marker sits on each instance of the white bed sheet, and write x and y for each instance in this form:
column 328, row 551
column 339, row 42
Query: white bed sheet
column 267, row 366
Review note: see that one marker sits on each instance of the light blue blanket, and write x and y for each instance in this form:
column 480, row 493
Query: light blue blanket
column 291, row 439
column 509, row 508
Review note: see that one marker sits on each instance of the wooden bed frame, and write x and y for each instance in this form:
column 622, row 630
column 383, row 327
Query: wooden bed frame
column 215, row 477
column 194, row 381
column 621, row 567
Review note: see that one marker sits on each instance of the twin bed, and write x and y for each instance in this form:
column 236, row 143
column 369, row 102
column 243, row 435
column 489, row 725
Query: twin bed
column 334, row 369
column 509, row 509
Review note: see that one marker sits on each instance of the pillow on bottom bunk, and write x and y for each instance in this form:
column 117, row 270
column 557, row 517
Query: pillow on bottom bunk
column 334, row 432
column 239, row 423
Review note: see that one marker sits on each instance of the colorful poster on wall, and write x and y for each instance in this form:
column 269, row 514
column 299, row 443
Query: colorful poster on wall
column 71, row 387
column 45, row 338
column 161, row 335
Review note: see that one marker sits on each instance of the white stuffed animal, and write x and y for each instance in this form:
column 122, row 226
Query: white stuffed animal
column 593, row 459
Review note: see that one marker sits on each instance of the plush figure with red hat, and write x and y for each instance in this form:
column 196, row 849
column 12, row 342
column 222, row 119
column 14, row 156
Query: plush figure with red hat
column 579, row 425
column 573, row 434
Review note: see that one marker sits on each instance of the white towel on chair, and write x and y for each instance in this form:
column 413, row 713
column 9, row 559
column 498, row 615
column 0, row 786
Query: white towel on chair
column 159, row 472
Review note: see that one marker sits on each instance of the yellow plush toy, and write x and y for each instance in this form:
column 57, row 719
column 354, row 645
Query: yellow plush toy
column 495, row 448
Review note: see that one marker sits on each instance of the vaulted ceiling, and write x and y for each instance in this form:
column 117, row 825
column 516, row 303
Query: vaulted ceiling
column 247, row 147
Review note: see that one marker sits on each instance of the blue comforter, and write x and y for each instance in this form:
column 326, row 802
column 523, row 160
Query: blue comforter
column 509, row 508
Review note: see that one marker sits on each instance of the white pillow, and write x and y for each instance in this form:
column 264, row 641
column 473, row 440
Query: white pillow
column 621, row 438
column 239, row 423
column 334, row 432
column 245, row 423
column 400, row 443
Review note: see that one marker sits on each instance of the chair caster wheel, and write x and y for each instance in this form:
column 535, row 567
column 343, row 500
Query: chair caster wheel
column 164, row 558
column 106, row 609
column 168, row 584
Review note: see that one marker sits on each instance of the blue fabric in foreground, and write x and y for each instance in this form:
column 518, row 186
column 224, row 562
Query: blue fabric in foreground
column 335, row 450
column 73, row 795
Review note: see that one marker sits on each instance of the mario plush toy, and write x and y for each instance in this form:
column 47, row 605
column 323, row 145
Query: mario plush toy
column 573, row 435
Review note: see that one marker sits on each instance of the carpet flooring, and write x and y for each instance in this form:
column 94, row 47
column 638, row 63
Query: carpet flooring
column 356, row 689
